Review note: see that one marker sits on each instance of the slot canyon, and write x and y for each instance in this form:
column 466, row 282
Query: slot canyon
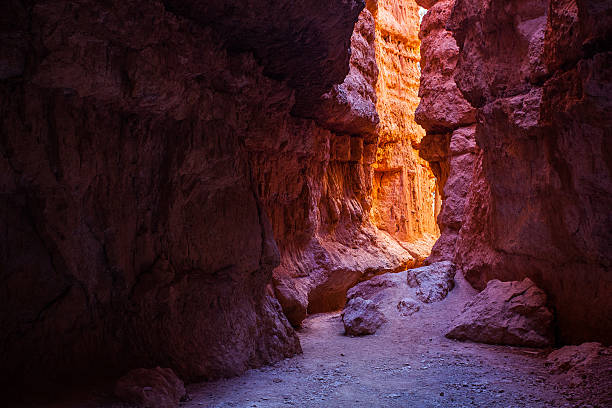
column 350, row 203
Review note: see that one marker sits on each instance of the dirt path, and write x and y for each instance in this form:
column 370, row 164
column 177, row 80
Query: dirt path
column 407, row 363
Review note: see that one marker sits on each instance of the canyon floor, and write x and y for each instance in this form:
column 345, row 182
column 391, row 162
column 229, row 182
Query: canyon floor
column 407, row 363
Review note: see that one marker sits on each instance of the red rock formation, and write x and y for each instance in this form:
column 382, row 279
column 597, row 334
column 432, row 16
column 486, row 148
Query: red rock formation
column 404, row 188
column 161, row 161
column 449, row 145
column 366, row 206
column 151, row 388
column 145, row 172
column 539, row 201
column 544, row 123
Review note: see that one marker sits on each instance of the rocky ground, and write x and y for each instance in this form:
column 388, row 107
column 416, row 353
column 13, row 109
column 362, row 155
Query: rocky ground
column 408, row 362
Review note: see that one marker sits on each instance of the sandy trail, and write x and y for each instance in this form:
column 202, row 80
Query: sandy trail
column 407, row 363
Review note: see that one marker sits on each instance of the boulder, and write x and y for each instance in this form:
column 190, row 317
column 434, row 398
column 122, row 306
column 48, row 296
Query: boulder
column 151, row 388
column 510, row 313
column 433, row 282
column 361, row 317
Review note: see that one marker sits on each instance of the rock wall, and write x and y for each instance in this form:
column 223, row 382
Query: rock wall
column 449, row 119
column 147, row 166
column 538, row 73
column 179, row 176
column 404, row 187
column 345, row 222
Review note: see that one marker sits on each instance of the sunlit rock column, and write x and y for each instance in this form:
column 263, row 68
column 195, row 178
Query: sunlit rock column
column 404, row 187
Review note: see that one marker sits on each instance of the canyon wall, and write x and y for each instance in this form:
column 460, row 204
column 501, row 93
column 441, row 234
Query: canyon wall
column 367, row 204
column 179, row 177
column 404, row 187
column 449, row 119
column 147, row 165
column 538, row 203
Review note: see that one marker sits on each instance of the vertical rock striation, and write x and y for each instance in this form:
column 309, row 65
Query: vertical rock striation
column 538, row 205
column 151, row 170
column 366, row 206
column 177, row 176
column 449, row 120
column 404, row 188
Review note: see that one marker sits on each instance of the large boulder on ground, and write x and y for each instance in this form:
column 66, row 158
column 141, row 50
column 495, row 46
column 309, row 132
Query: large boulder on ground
column 433, row 282
column 362, row 316
column 510, row 313
column 151, row 388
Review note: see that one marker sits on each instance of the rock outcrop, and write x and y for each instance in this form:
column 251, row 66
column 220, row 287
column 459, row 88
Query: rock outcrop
column 586, row 369
column 393, row 296
column 367, row 206
column 151, row 388
column 538, row 202
column 178, row 175
column 509, row 313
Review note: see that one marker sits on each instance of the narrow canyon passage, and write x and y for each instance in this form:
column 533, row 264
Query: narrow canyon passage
column 343, row 203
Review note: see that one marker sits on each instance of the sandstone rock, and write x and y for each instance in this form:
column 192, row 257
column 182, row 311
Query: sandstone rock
column 407, row 307
column 538, row 74
column 374, row 288
column 442, row 106
column 361, row 316
column 572, row 359
column 350, row 107
column 449, row 145
column 510, row 313
column 404, row 187
column 151, row 388
column 306, row 44
column 433, row 282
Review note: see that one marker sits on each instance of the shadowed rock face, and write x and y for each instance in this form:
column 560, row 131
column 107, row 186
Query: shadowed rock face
column 146, row 171
column 545, row 119
column 511, row 313
column 163, row 185
column 538, row 203
column 304, row 43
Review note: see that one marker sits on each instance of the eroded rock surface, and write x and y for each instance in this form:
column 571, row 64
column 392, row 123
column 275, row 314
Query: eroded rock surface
column 432, row 282
column 537, row 205
column 510, row 313
column 586, row 369
column 404, row 188
column 151, row 388
column 449, row 145
column 361, row 316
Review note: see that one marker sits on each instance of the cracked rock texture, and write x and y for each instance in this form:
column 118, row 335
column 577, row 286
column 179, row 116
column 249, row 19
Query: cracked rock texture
column 510, row 313
column 433, row 282
column 538, row 203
